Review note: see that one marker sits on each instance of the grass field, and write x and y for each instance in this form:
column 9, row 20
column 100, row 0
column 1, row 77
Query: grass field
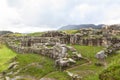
column 88, row 71
column 84, row 70
column 36, row 65
column 5, row 55
column 31, row 64
column 35, row 34
column 70, row 31
column 91, row 71
column 112, row 72
column 40, row 66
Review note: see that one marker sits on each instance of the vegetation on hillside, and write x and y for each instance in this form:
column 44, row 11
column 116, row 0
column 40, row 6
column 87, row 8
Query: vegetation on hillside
column 33, row 65
column 6, row 55
column 70, row 31
column 35, row 34
column 15, row 34
column 112, row 72
column 5, row 32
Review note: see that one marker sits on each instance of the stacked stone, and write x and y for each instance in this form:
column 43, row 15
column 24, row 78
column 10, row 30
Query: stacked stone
column 54, row 52
column 111, row 29
column 53, row 34
column 31, row 41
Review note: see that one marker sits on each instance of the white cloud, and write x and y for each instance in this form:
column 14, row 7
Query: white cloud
column 39, row 15
column 81, row 11
column 27, row 29
column 8, row 15
column 111, row 14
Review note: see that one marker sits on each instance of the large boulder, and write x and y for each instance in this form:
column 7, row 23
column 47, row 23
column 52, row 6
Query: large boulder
column 101, row 55
column 64, row 62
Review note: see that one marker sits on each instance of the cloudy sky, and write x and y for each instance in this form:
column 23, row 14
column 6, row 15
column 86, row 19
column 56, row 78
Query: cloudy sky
column 41, row 15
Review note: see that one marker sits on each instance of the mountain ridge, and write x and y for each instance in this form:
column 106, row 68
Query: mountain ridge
column 5, row 32
column 76, row 27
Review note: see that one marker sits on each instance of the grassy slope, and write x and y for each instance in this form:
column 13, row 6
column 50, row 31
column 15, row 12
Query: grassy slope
column 112, row 72
column 70, row 31
column 86, row 70
column 39, row 65
column 46, row 68
column 16, row 34
column 45, row 64
column 33, row 65
column 5, row 55
column 90, row 71
column 35, row 34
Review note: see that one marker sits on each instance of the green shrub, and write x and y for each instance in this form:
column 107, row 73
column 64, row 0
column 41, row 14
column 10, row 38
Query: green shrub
column 112, row 72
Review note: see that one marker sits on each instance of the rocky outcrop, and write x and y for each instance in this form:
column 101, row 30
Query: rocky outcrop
column 111, row 30
column 53, row 34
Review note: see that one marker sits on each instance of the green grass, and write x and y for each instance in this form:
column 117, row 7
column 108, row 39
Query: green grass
column 112, row 72
column 70, row 53
column 40, row 65
column 88, row 51
column 17, row 42
column 90, row 71
column 6, row 55
column 59, row 75
column 15, row 34
column 35, row 34
column 70, row 31
column 49, row 46
column 86, row 71
column 92, row 77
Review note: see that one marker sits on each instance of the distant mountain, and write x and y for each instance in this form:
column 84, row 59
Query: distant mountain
column 75, row 27
column 5, row 32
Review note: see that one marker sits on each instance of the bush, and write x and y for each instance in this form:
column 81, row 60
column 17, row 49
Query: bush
column 111, row 73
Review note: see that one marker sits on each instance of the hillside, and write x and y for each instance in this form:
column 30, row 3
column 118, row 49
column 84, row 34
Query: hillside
column 5, row 32
column 34, row 66
column 34, row 57
column 112, row 72
column 75, row 27
column 31, row 67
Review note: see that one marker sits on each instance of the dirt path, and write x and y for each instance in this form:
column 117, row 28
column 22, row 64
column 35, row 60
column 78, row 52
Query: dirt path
column 89, row 62
column 48, row 74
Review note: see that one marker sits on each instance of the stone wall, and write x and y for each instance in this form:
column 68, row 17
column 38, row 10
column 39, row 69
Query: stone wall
column 79, row 40
column 54, row 51
column 53, row 34
column 68, row 39
column 32, row 40
column 111, row 29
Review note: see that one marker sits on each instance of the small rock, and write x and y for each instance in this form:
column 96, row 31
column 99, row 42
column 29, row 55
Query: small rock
column 7, row 78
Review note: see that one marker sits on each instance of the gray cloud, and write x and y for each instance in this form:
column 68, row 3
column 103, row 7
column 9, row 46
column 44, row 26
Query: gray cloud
column 39, row 15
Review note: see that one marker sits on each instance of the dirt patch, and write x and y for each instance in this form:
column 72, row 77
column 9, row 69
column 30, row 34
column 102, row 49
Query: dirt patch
column 47, row 79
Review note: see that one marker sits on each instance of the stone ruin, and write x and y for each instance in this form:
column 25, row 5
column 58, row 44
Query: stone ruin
column 46, row 46
column 111, row 30
column 111, row 48
column 53, row 34
column 77, row 38
column 53, row 43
